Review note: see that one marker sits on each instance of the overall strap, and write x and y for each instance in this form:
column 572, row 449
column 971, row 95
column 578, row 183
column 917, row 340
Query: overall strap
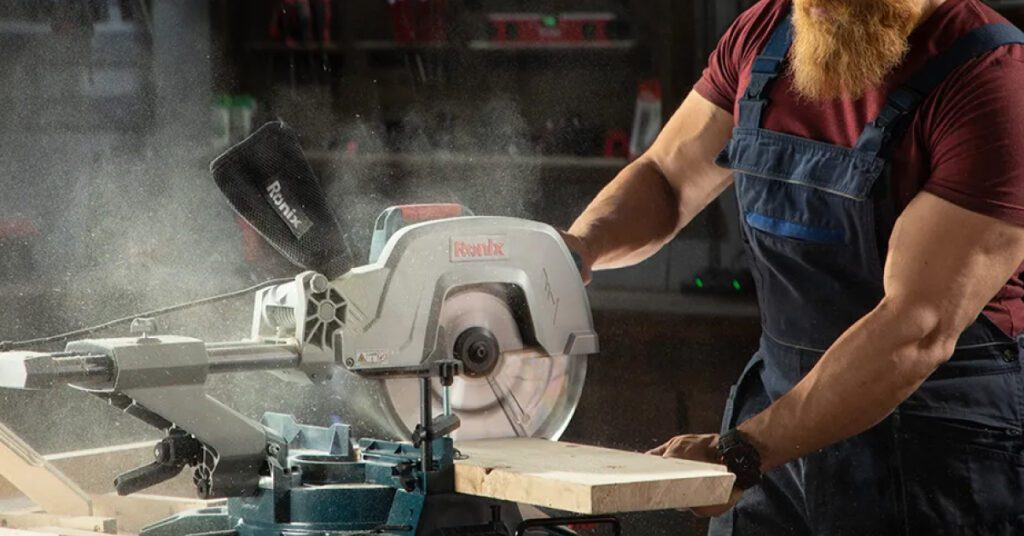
column 881, row 136
column 767, row 67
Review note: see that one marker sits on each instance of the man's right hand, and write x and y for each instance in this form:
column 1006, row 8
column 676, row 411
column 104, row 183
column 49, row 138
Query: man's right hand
column 583, row 253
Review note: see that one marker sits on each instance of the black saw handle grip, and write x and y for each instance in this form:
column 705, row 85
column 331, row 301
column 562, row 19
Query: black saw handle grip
column 145, row 477
column 171, row 455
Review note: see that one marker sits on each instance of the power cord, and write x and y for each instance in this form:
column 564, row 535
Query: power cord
column 6, row 346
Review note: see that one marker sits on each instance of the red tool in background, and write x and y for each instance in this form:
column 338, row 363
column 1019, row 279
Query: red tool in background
column 322, row 19
column 298, row 22
column 552, row 28
column 647, row 120
column 418, row 20
column 402, row 25
column 432, row 20
column 616, row 143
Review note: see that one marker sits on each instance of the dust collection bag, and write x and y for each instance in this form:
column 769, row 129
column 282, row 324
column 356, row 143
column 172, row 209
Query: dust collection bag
column 268, row 182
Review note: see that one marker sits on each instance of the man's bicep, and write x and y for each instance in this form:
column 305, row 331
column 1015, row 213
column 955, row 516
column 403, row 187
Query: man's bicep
column 686, row 149
column 948, row 262
column 975, row 138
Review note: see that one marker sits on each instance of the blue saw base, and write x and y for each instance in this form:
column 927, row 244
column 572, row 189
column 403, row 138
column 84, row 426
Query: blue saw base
column 319, row 485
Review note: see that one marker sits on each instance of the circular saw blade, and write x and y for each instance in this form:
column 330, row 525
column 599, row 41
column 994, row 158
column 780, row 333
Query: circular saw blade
column 524, row 395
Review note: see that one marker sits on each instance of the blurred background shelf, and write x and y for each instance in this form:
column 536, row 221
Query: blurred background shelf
column 723, row 306
column 614, row 45
column 451, row 159
column 475, row 45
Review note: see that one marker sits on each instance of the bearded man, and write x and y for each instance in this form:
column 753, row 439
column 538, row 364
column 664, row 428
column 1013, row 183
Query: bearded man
column 877, row 149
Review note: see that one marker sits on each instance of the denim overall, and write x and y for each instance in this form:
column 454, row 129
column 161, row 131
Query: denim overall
column 817, row 219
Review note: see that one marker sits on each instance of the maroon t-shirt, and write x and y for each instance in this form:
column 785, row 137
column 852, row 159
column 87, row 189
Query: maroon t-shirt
column 965, row 145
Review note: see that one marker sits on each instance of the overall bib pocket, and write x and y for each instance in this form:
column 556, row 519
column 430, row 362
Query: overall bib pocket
column 977, row 393
column 978, row 469
column 796, row 231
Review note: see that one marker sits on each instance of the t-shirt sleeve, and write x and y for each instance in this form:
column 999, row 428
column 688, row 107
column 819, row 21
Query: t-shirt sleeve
column 720, row 81
column 977, row 140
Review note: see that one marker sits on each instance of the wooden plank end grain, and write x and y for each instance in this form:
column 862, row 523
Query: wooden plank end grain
column 39, row 480
column 36, row 519
column 587, row 480
column 136, row 511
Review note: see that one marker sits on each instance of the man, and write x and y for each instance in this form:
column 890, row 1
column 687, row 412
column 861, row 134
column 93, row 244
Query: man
column 877, row 148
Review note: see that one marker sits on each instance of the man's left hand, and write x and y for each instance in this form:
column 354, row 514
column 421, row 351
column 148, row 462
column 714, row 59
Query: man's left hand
column 700, row 448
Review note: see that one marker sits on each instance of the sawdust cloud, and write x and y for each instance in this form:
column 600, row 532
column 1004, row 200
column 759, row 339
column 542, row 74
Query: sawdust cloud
column 129, row 218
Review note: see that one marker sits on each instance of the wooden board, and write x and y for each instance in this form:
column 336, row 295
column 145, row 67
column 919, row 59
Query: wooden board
column 586, row 480
column 47, row 531
column 32, row 520
column 22, row 532
column 136, row 511
column 38, row 479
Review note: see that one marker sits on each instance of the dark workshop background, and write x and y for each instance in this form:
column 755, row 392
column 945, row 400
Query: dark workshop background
column 111, row 110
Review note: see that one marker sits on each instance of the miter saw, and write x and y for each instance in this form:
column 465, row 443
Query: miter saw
column 485, row 318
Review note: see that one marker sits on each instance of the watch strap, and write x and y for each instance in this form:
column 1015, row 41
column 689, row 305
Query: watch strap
column 741, row 458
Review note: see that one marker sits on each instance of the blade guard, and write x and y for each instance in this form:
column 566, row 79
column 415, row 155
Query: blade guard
column 393, row 305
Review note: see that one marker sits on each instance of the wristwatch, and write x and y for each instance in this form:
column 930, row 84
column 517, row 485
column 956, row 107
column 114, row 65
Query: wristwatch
column 741, row 458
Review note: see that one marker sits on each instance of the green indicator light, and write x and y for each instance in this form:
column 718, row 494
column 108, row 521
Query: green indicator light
column 549, row 21
column 699, row 282
column 736, row 285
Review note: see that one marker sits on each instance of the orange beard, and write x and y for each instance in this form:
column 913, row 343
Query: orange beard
column 851, row 48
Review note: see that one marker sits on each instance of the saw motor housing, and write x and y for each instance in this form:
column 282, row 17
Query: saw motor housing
column 380, row 319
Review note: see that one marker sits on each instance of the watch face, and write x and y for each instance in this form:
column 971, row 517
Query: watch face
column 741, row 458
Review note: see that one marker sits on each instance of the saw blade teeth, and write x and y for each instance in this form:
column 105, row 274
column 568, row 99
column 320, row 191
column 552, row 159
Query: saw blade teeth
column 527, row 393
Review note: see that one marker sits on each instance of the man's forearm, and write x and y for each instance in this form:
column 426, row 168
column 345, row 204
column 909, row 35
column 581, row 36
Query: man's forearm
column 632, row 217
column 877, row 364
column 654, row 197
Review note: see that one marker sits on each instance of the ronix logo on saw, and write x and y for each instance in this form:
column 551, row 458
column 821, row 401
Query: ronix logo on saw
column 480, row 248
column 287, row 209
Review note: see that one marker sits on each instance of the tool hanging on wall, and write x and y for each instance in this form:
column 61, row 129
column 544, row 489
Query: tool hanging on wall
column 647, row 120
column 418, row 25
column 291, row 22
column 418, row 21
column 537, row 28
column 616, row 143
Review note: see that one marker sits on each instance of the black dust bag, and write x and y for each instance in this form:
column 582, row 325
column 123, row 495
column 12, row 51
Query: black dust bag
column 268, row 181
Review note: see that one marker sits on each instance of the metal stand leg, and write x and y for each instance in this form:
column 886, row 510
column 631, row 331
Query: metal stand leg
column 426, row 417
column 558, row 525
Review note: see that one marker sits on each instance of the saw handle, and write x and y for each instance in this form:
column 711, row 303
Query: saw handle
column 145, row 477
column 171, row 455
column 577, row 260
